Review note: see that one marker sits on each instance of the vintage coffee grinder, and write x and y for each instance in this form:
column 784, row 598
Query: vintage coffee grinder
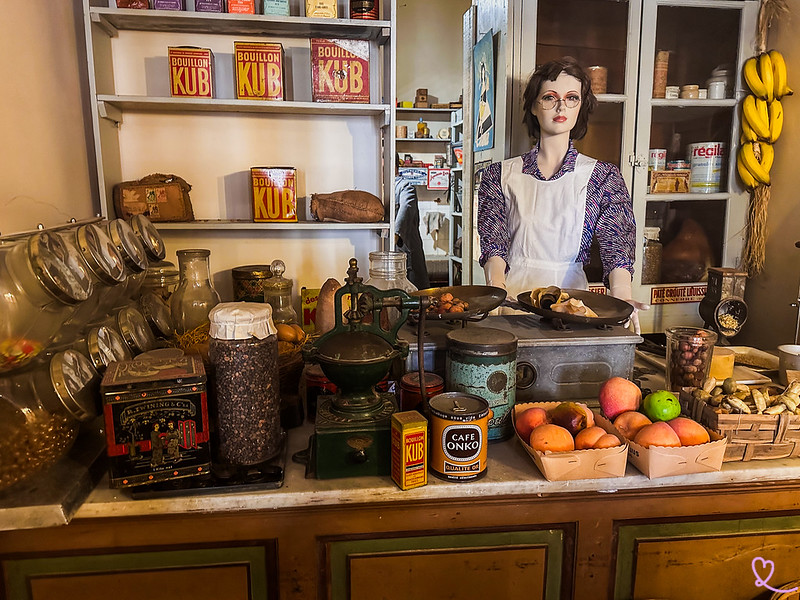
column 723, row 307
column 352, row 431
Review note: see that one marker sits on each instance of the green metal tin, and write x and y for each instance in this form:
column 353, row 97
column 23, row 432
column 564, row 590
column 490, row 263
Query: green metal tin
column 483, row 361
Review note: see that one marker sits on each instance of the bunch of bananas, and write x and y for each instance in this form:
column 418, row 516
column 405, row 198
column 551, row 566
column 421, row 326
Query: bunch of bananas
column 762, row 117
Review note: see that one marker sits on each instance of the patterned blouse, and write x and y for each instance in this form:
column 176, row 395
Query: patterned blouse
column 609, row 213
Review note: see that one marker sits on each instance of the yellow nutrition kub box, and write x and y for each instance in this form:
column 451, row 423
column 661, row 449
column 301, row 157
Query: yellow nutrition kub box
column 274, row 194
column 259, row 70
column 409, row 449
column 190, row 72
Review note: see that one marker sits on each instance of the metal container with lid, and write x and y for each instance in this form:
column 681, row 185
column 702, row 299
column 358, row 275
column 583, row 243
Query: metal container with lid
column 134, row 255
column 40, row 411
column 42, row 280
column 248, row 282
column 278, row 294
column 135, row 331
column 147, row 233
column 103, row 345
column 157, row 314
column 483, row 361
column 459, row 431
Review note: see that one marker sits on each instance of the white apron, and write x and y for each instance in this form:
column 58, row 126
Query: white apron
column 545, row 221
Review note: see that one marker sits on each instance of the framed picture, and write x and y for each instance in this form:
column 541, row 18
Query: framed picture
column 483, row 75
column 438, row 179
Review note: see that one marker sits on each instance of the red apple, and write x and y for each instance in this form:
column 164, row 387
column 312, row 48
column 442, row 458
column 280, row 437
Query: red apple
column 530, row 419
column 618, row 395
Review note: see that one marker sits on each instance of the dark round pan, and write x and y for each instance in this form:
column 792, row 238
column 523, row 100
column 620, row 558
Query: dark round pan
column 610, row 310
column 481, row 300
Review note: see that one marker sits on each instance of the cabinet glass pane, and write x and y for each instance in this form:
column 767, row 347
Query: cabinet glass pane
column 603, row 139
column 597, row 37
column 691, row 233
column 699, row 41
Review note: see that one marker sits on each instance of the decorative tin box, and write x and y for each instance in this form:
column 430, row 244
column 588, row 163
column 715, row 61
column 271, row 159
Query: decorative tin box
column 259, row 70
column 191, row 72
column 340, row 70
column 156, row 420
column 242, row 6
column 274, row 194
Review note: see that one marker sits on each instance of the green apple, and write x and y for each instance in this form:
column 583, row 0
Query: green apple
column 661, row 405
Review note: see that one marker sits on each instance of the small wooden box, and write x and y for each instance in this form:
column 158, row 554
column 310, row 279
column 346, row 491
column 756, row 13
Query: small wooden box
column 156, row 420
column 409, row 449
column 259, row 70
column 274, row 194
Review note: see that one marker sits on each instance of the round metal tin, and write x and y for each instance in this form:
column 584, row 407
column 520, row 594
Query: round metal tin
column 459, row 427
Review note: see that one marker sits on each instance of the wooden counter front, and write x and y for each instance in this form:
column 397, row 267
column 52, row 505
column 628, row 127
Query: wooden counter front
column 510, row 535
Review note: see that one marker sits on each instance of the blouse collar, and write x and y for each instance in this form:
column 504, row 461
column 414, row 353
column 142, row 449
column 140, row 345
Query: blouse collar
column 531, row 167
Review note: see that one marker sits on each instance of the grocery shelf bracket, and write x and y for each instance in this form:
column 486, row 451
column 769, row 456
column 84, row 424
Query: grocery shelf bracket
column 110, row 112
column 105, row 25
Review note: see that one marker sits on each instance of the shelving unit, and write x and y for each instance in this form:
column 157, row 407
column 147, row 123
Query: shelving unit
column 456, row 199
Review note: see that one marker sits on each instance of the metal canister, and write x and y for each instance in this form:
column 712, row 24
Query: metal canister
column 459, row 426
column 411, row 391
column 483, row 361
column 248, row 282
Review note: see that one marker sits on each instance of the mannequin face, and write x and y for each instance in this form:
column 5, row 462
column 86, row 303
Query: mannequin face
column 559, row 119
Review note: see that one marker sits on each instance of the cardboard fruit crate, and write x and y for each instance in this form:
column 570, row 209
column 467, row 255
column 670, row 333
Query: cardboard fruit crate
column 578, row 464
column 660, row 461
column 749, row 437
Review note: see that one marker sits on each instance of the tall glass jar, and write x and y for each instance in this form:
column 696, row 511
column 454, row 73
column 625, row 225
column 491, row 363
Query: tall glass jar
column 161, row 277
column 278, row 294
column 651, row 256
column 387, row 271
column 193, row 300
column 243, row 348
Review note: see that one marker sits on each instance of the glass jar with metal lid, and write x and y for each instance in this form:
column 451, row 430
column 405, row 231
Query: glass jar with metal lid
column 248, row 282
column 133, row 254
column 151, row 239
column 103, row 345
column 157, row 314
column 278, row 294
column 42, row 280
column 40, row 412
column 135, row 331
column 106, row 269
column 161, row 277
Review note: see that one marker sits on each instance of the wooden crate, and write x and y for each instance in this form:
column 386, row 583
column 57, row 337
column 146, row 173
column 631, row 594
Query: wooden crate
column 750, row 437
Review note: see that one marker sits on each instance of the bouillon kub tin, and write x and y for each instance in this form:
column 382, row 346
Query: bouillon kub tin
column 459, row 424
column 483, row 361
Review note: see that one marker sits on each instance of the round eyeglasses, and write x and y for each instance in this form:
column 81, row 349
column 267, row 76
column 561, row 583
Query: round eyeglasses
column 549, row 101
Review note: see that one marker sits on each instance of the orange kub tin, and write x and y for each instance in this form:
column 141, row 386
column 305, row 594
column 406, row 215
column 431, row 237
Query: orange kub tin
column 259, row 70
column 191, row 72
column 274, row 194
column 340, row 70
column 409, row 449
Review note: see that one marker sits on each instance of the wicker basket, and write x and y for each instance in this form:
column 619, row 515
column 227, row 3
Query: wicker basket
column 750, row 437
column 290, row 367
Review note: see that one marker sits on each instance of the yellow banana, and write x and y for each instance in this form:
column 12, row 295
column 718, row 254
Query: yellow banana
column 765, row 71
column 748, row 135
column 775, row 120
column 767, row 155
column 753, row 113
column 751, row 163
column 747, row 178
column 780, row 81
column 753, row 79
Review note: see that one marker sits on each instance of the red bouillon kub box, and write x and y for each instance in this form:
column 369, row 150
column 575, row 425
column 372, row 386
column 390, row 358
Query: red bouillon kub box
column 274, row 194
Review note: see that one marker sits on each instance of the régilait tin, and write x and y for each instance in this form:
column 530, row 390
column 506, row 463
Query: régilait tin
column 706, row 159
column 483, row 361
column 459, row 424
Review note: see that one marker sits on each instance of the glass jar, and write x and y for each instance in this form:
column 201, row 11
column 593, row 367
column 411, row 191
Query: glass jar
column 689, row 352
column 387, row 271
column 161, row 277
column 248, row 282
column 157, row 314
column 133, row 255
column 192, row 301
column 41, row 282
column 103, row 345
column 154, row 246
column 40, row 411
column 243, row 347
column 106, row 269
column 134, row 330
column 278, row 294
column 651, row 256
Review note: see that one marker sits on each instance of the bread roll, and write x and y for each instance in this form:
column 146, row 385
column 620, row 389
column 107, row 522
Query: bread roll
column 326, row 316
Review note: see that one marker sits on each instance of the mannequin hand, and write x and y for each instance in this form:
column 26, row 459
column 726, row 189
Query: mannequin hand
column 634, row 319
column 495, row 270
column 620, row 284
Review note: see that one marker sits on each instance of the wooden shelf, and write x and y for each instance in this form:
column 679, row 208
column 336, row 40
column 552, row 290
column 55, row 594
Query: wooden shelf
column 422, row 140
column 222, row 105
column 114, row 19
column 688, row 196
column 224, row 224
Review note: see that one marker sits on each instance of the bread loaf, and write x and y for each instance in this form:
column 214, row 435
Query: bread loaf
column 348, row 206
column 326, row 315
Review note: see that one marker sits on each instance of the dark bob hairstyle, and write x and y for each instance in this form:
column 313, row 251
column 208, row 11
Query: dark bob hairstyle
column 550, row 71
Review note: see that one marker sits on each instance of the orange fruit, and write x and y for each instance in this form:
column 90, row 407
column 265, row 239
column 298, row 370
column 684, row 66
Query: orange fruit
column 552, row 438
column 630, row 422
column 528, row 420
column 657, row 434
column 690, row 432
column 588, row 437
column 609, row 440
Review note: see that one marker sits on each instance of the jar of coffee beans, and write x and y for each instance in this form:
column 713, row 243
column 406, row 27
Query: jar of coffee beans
column 689, row 351
column 243, row 347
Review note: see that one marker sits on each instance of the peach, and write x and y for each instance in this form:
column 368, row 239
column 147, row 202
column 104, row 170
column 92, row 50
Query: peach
column 630, row 422
column 530, row 419
column 618, row 395
column 549, row 437
column 588, row 437
column 657, row 434
column 609, row 440
column 690, row 432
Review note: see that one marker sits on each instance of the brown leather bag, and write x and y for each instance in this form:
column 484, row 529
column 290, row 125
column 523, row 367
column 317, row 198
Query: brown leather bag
column 159, row 197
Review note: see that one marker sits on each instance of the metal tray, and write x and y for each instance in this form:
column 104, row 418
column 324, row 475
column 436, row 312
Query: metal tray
column 481, row 298
column 610, row 310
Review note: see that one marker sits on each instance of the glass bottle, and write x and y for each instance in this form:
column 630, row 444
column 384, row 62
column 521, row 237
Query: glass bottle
column 195, row 295
column 651, row 256
column 387, row 271
column 421, row 127
column 278, row 294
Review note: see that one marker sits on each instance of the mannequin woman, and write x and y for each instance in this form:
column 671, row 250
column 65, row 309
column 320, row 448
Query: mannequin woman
column 538, row 213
